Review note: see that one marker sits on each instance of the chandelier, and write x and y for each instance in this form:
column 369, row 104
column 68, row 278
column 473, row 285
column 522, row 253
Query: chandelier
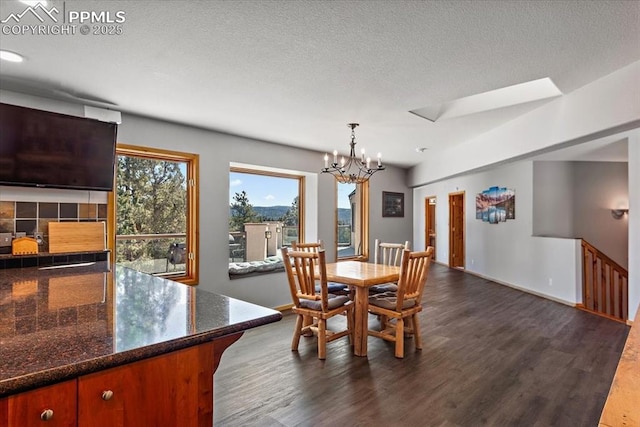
column 352, row 170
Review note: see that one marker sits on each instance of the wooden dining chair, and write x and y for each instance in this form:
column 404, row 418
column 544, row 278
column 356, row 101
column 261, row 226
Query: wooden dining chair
column 304, row 270
column 399, row 310
column 334, row 288
column 387, row 254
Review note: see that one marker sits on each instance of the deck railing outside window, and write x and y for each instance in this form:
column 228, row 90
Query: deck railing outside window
column 159, row 254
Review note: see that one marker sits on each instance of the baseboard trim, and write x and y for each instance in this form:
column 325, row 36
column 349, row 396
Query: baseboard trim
column 520, row 288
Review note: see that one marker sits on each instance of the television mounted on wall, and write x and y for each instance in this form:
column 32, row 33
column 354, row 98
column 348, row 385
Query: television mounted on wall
column 51, row 150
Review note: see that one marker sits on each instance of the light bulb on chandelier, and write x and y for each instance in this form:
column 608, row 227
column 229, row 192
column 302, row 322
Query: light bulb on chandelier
column 352, row 169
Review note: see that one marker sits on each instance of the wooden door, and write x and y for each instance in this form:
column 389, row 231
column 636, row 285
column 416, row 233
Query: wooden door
column 456, row 230
column 430, row 223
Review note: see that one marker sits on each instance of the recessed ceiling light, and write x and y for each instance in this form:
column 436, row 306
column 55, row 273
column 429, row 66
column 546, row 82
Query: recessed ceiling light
column 34, row 2
column 10, row 56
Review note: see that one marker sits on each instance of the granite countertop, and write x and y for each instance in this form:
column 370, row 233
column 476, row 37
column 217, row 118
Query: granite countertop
column 58, row 324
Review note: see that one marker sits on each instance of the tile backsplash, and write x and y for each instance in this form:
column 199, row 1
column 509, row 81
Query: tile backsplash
column 34, row 217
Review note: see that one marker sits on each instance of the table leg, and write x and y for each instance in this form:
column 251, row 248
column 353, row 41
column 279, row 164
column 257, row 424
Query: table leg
column 361, row 325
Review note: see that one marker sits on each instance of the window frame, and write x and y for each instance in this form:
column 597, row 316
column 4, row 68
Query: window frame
column 276, row 174
column 363, row 199
column 191, row 275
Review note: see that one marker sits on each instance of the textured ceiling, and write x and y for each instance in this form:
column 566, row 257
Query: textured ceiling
column 296, row 72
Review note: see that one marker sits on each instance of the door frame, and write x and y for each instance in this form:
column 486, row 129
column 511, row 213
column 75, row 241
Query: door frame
column 427, row 223
column 451, row 221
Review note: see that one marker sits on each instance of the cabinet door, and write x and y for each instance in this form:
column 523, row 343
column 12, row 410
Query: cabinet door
column 26, row 409
column 175, row 389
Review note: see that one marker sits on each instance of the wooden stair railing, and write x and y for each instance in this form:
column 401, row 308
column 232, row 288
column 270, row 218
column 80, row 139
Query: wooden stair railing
column 605, row 288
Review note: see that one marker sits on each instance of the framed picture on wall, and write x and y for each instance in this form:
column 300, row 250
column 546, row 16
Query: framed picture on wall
column 392, row 204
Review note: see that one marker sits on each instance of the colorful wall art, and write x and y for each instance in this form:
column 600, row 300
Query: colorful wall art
column 496, row 204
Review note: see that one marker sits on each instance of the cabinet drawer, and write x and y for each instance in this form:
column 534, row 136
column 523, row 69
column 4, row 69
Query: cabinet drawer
column 175, row 389
column 26, row 409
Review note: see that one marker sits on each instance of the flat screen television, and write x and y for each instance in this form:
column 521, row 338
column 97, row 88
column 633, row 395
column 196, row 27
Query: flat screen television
column 43, row 149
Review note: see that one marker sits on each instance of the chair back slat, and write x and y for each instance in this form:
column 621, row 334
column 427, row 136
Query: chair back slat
column 389, row 253
column 413, row 276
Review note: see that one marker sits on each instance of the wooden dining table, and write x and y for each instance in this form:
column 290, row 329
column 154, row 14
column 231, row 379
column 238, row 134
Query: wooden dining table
column 362, row 276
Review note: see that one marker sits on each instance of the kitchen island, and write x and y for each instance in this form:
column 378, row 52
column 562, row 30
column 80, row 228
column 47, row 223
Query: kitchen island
column 102, row 345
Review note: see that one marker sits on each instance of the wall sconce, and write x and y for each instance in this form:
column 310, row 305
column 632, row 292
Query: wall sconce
column 267, row 234
column 619, row 213
column 278, row 230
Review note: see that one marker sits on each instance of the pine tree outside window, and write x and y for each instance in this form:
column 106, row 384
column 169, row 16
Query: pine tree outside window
column 155, row 212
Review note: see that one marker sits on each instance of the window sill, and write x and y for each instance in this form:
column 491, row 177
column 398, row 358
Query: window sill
column 254, row 273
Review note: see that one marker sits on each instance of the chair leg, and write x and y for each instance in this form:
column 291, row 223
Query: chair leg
column 350, row 325
column 416, row 332
column 400, row 338
column 296, row 333
column 322, row 339
column 383, row 322
column 408, row 327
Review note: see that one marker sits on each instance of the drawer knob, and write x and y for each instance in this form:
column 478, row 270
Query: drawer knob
column 46, row 415
column 107, row 394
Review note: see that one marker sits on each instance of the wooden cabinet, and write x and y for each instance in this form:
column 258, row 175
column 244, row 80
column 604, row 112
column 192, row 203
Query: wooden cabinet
column 170, row 390
column 54, row 405
column 174, row 389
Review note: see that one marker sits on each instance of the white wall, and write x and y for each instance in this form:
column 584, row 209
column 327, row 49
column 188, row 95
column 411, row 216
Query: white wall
column 553, row 199
column 505, row 252
column 599, row 187
column 217, row 151
column 508, row 253
column 607, row 106
column 574, row 199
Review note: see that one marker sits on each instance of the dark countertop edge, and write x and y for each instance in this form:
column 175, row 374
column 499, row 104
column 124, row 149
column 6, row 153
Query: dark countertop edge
column 62, row 373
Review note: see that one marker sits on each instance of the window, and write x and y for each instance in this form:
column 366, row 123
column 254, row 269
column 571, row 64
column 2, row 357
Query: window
column 154, row 211
column 352, row 220
column 265, row 214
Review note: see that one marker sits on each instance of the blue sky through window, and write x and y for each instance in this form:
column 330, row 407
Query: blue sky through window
column 344, row 190
column 263, row 190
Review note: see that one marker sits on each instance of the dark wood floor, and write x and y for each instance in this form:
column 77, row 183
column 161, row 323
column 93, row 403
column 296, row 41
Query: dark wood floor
column 491, row 356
